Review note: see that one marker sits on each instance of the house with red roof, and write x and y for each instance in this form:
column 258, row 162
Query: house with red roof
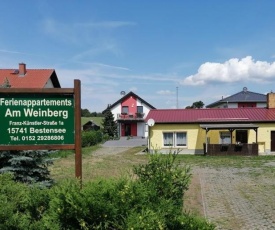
column 216, row 131
column 28, row 78
column 130, row 112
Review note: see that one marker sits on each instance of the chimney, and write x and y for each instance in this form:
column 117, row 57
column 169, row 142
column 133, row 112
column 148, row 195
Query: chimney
column 22, row 69
column 271, row 100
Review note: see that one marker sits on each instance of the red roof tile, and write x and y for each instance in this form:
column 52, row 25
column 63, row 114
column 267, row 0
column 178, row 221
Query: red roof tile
column 242, row 115
column 34, row 78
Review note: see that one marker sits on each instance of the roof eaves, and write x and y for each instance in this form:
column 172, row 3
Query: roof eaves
column 54, row 79
column 131, row 94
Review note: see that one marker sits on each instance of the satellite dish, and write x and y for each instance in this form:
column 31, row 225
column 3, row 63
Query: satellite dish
column 122, row 93
column 151, row 122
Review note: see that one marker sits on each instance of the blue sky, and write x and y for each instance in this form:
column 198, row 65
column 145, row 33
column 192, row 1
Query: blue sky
column 168, row 52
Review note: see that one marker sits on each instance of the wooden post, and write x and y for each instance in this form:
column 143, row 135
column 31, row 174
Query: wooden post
column 206, row 141
column 78, row 154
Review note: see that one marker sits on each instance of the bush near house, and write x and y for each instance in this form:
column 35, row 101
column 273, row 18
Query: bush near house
column 147, row 202
column 91, row 138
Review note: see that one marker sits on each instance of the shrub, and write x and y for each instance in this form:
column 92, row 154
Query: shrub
column 165, row 176
column 21, row 206
column 153, row 200
column 90, row 138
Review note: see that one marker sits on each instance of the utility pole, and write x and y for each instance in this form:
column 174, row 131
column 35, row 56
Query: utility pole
column 177, row 97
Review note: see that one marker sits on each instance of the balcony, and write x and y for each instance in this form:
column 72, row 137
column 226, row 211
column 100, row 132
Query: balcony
column 130, row 117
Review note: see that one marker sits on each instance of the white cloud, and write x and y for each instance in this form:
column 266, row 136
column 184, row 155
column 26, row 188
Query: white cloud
column 233, row 70
column 165, row 92
column 79, row 32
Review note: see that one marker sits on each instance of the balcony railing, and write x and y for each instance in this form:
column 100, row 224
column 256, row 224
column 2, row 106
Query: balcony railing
column 231, row 149
column 129, row 116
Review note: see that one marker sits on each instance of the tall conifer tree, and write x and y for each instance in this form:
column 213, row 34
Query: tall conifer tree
column 109, row 124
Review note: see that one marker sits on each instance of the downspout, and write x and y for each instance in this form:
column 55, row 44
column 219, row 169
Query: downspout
column 206, row 141
column 256, row 130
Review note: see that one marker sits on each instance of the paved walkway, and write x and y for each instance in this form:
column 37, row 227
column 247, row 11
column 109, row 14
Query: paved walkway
column 238, row 198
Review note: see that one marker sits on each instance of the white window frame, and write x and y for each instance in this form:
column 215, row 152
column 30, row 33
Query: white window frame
column 167, row 143
column 174, row 140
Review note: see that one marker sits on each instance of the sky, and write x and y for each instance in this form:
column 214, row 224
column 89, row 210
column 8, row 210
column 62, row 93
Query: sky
column 169, row 53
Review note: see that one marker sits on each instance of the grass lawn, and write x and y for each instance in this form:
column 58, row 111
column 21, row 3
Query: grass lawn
column 102, row 166
column 114, row 165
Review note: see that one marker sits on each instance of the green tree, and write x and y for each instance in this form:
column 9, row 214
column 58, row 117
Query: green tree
column 27, row 166
column 196, row 105
column 109, row 124
column 85, row 113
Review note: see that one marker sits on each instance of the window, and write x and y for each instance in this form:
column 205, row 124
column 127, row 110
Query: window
column 125, row 109
column 174, row 139
column 180, row 139
column 168, row 139
column 225, row 138
column 139, row 109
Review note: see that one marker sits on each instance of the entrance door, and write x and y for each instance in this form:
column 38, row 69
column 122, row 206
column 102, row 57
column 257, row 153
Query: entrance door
column 127, row 129
column 272, row 147
column 241, row 136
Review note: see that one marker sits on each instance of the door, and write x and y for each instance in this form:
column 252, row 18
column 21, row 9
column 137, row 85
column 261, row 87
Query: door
column 241, row 136
column 272, row 147
column 127, row 129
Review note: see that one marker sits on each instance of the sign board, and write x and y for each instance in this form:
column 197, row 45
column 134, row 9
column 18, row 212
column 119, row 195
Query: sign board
column 36, row 119
column 48, row 118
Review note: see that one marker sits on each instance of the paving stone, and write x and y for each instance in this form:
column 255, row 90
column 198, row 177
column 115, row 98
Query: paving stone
column 234, row 199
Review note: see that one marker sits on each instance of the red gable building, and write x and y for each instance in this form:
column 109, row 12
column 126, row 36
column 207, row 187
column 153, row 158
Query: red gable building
column 28, row 78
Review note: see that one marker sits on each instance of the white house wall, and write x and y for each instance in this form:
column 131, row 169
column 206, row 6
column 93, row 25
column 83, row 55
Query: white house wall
column 116, row 110
column 49, row 84
column 261, row 105
column 146, row 108
column 141, row 129
column 142, row 125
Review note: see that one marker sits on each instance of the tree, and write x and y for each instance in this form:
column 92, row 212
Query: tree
column 109, row 124
column 27, row 166
column 196, row 105
column 85, row 113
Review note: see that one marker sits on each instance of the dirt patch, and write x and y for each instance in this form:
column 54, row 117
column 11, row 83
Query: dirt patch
column 193, row 196
column 106, row 151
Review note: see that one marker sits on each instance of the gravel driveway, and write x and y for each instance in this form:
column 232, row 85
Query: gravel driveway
column 126, row 142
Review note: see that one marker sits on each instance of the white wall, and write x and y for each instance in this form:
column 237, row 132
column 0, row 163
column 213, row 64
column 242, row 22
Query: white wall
column 261, row 105
column 146, row 109
column 141, row 129
column 116, row 110
column 49, row 84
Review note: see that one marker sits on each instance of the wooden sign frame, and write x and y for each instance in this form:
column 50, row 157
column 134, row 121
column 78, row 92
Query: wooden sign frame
column 76, row 92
